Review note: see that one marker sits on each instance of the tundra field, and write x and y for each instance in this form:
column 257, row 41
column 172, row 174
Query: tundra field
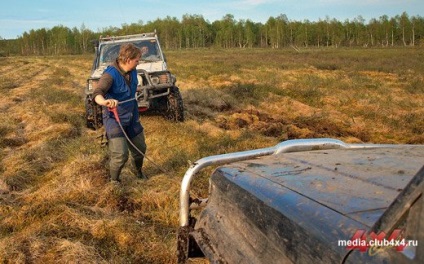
column 56, row 204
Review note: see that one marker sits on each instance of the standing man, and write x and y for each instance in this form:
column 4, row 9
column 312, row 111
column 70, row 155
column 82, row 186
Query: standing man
column 118, row 84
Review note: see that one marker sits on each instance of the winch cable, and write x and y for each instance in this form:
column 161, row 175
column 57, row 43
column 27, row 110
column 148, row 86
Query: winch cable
column 114, row 110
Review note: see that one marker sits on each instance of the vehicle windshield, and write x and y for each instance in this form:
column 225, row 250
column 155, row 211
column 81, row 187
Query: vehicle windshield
column 149, row 49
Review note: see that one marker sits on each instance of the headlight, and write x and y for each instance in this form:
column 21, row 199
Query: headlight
column 173, row 78
column 155, row 79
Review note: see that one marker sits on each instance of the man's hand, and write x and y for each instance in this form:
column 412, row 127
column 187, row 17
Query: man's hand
column 111, row 103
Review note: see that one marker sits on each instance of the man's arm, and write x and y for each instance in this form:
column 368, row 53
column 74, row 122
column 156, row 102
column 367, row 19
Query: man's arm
column 101, row 89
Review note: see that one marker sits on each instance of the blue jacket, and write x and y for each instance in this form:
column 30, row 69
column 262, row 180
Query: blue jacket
column 128, row 112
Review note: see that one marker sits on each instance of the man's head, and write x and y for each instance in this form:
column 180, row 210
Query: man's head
column 129, row 55
column 144, row 50
column 128, row 52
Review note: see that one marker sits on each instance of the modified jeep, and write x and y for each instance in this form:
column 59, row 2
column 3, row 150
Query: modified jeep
column 158, row 90
column 307, row 201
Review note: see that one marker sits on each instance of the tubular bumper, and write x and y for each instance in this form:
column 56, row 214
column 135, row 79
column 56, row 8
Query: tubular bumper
column 283, row 147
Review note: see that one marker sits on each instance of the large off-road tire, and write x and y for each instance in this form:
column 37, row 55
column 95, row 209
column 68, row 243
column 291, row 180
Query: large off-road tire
column 93, row 114
column 175, row 106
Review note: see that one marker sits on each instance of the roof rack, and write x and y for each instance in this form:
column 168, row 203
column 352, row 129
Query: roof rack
column 142, row 35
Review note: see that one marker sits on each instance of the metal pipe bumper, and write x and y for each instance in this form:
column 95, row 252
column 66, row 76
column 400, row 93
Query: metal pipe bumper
column 283, row 147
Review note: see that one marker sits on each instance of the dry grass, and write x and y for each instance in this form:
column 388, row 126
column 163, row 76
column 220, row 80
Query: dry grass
column 56, row 204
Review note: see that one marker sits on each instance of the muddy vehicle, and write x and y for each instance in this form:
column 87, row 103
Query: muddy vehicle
column 307, row 201
column 159, row 93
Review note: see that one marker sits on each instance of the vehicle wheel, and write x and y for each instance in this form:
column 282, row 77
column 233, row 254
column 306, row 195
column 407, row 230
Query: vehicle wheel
column 175, row 107
column 93, row 114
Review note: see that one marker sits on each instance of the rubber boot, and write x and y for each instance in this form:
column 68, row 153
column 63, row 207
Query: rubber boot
column 141, row 175
column 114, row 175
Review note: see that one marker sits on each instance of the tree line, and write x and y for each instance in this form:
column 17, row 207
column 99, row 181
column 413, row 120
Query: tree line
column 193, row 31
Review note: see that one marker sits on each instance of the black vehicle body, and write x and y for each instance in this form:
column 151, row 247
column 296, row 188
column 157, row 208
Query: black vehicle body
column 304, row 201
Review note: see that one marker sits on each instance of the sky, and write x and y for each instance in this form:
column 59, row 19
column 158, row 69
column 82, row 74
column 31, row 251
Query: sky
column 19, row 16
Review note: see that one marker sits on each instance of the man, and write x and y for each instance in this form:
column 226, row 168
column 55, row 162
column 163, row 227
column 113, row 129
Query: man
column 119, row 84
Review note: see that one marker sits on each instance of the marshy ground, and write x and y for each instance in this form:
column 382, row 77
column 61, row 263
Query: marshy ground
column 56, row 204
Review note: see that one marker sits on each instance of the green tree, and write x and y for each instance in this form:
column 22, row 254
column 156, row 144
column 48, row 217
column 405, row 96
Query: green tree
column 225, row 32
column 276, row 31
column 404, row 25
column 193, row 31
column 418, row 22
column 384, row 31
column 170, row 32
column 246, row 33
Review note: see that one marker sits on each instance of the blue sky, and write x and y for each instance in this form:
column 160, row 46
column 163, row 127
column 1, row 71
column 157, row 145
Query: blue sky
column 19, row 16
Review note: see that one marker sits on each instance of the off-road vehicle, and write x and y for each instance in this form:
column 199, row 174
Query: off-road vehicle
column 159, row 93
column 308, row 201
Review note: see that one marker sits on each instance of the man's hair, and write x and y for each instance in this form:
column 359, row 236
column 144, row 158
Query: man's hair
column 128, row 52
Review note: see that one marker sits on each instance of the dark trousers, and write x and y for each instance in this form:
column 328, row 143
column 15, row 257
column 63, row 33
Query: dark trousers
column 118, row 151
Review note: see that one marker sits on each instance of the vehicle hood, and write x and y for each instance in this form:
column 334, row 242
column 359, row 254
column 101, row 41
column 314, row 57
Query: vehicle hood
column 149, row 67
column 358, row 184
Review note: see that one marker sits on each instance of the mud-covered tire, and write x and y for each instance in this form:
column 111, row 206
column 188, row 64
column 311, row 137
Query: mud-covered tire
column 93, row 114
column 175, row 106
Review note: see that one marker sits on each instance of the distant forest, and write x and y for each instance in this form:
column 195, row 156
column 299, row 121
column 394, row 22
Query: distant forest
column 193, row 31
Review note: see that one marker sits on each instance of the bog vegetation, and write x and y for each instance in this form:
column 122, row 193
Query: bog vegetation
column 193, row 31
column 56, row 204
